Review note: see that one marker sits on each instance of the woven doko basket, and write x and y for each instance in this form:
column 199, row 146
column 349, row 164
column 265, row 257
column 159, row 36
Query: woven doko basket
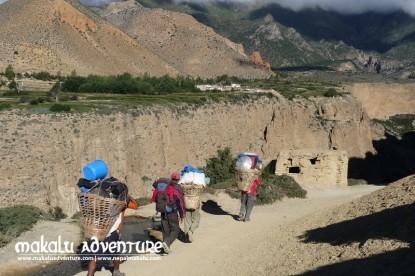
column 99, row 214
column 245, row 178
column 192, row 196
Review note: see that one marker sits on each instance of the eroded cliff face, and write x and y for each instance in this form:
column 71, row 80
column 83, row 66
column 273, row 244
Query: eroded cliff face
column 42, row 156
column 392, row 98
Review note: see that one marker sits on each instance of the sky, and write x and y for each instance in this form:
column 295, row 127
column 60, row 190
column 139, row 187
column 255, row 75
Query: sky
column 341, row 6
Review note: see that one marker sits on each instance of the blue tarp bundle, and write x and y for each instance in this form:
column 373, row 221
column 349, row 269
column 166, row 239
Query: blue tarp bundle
column 188, row 168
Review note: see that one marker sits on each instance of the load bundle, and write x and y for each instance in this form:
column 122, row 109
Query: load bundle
column 247, row 169
column 100, row 201
column 192, row 196
column 192, row 180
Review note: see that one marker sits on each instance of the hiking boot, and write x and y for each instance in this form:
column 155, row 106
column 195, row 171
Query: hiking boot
column 166, row 248
column 246, row 220
column 190, row 236
column 241, row 217
column 117, row 272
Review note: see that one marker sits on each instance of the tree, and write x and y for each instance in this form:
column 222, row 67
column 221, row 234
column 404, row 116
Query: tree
column 165, row 85
column 72, row 83
column 9, row 73
column 12, row 85
column 378, row 67
column 54, row 91
column 43, row 75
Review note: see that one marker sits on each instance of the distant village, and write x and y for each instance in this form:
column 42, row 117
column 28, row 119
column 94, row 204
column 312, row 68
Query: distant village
column 231, row 87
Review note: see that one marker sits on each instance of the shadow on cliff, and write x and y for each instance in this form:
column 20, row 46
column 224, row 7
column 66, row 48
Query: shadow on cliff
column 392, row 224
column 395, row 159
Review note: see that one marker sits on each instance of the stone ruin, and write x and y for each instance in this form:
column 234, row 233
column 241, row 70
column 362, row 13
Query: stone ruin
column 314, row 168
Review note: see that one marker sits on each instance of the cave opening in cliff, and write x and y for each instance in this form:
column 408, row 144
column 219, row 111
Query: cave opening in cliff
column 272, row 166
column 265, row 134
column 314, row 161
column 294, row 170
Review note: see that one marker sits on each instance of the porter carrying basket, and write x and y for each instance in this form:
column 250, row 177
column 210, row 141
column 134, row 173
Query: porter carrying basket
column 192, row 194
column 245, row 178
column 99, row 214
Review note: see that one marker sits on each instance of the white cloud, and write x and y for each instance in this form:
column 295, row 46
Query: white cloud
column 341, row 6
column 350, row 6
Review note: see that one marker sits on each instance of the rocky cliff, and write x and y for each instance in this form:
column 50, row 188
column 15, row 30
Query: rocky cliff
column 393, row 98
column 43, row 154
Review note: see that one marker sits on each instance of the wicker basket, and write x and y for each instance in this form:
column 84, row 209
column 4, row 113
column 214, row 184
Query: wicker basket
column 245, row 178
column 99, row 214
column 192, row 196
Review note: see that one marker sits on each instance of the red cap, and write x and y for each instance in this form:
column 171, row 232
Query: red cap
column 175, row 176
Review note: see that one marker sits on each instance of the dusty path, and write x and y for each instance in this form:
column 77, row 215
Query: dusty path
column 51, row 230
column 224, row 246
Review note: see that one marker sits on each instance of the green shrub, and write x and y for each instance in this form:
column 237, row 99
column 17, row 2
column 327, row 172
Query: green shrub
column 24, row 99
column 143, row 200
column 5, row 106
column 9, row 73
column 12, row 85
column 145, row 178
column 41, row 100
column 43, row 75
column 224, row 185
column 77, row 215
column 398, row 125
column 234, row 192
column 34, row 102
column 290, row 187
column 60, row 108
column 57, row 213
column 11, row 93
column 17, row 219
column 220, row 168
column 331, row 92
column 274, row 187
column 64, row 98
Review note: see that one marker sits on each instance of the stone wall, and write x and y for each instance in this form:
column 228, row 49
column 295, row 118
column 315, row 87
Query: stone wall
column 314, row 168
column 42, row 155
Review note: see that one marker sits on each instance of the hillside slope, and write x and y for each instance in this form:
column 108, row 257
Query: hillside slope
column 193, row 48
column 372, row 235
column 65, row 36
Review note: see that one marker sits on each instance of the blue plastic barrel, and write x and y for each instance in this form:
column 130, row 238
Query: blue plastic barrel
column 95, row 170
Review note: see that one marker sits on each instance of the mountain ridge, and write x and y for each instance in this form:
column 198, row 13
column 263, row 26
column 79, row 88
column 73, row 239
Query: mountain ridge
column 317, row 37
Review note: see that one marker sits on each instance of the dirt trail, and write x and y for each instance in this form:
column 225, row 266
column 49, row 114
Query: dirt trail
column 51, row 230
column 224, row 246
